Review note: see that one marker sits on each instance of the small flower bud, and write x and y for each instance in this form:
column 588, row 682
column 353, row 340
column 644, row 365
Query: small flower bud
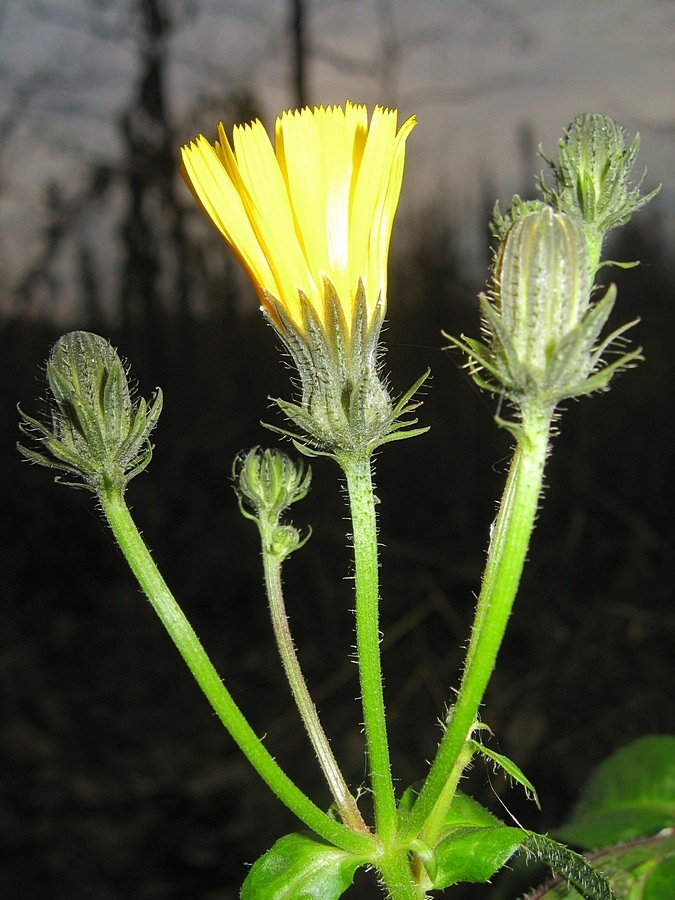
column 97, row 431
column 285, row 539
column 595, row 168
column 270, row 481
column 267, row 482
column 593, row 175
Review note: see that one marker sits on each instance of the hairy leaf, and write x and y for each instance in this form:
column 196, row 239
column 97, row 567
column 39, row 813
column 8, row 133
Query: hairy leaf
column 474, row 854
column 300, row 867
column 574, row 868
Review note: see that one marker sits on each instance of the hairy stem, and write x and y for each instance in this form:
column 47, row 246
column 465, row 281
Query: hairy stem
column 397, row 877
column 364, row 524
column 509, row 543
column 345, row 802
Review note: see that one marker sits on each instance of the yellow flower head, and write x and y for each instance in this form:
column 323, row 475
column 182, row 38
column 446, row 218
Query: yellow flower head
column 317, row 205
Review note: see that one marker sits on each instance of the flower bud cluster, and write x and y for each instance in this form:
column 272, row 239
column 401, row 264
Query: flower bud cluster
column 542, row 325
column 267, row 482
column 98, row 432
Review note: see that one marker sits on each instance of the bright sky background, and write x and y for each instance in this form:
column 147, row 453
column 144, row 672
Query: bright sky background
column 474, row 72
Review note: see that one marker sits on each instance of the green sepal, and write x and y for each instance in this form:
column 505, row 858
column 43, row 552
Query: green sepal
column 301, row 867
column 345, row 406
column 508, row 766
column 631, row 264
column 630, row 795
column 403, row 431
column 60, row 457
column 478, row 360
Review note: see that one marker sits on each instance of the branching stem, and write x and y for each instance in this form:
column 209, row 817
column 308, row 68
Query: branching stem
column 190, row 648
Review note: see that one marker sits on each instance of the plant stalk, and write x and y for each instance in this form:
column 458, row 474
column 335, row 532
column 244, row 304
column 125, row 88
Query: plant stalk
column 344, row 800
column 509, row 543
column 397, row 877
column 357, row 469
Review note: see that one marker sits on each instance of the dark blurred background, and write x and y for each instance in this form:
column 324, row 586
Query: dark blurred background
column 116, row 779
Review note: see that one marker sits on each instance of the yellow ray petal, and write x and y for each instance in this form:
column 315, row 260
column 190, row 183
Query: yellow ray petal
column 319, row 204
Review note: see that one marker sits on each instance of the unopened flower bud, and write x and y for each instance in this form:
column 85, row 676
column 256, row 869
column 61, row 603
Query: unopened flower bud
column 541, row 326
column 98, row 432
column 594, row 153
column 542, row 291
column 285, row 539
column 593, row 178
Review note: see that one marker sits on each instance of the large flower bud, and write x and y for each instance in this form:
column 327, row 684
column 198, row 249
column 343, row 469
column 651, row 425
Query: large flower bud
column 541, row 325
column 98, row 432
column 542, row 290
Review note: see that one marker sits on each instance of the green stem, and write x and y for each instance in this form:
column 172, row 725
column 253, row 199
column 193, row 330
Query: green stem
column 364, row 524
column 436, row 818
column 190, row 648
column 344, row 800
column 506, row 557
column 397, row 877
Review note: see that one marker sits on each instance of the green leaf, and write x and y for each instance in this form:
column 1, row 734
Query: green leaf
column 474, row 844
column 467, row 853
column 630, row 795
column 661, row 880
column 641, row 871
column 509, row 767
column 464, row 810
column 301, row 867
